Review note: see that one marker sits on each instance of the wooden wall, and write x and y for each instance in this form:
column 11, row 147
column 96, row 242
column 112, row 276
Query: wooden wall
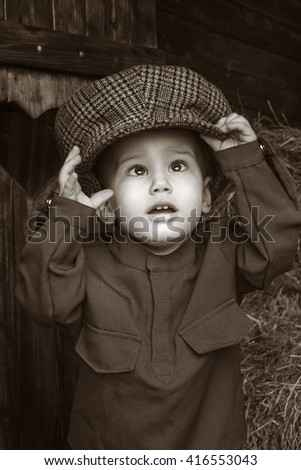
column 125, row 21
column 251, row 49
column 38, row 366
column 61, row 44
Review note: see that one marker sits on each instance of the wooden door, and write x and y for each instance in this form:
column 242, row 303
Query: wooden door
column 38, row 366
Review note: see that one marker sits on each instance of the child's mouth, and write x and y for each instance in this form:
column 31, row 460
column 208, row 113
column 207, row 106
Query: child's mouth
column 159, row 209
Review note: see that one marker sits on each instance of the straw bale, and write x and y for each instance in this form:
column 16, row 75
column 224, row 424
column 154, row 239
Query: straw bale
column 271, row 353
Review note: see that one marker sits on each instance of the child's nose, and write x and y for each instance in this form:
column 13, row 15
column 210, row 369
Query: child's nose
column 160, row 184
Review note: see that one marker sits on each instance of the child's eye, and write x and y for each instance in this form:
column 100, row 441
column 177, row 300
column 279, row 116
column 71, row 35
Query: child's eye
column 137, row 170
column 178, row 166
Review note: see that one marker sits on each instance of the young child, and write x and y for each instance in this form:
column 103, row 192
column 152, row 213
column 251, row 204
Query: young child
column 158, row 296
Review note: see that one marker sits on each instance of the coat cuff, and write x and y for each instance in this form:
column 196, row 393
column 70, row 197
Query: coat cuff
column 72, row 213
column 241, row 156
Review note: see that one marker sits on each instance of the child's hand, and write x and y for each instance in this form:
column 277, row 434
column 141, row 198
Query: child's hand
column 238, row 129
column 70, row 187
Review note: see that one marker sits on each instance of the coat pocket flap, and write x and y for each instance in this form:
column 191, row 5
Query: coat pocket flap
column 108, row 351
column 224, row 326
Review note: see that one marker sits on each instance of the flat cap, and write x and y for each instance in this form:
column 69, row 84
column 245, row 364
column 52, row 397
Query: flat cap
column 139, row 98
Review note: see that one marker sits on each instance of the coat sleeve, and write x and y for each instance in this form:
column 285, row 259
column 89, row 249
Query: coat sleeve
column 267, row 211
column 51, row 274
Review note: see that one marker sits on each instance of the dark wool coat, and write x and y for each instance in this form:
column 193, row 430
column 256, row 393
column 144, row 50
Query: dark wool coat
column 159, row 341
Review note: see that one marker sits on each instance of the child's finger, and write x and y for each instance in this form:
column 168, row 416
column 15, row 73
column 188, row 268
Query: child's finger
column 67, row 169
column 73, row 152
column 237, row 118
column 69, row 166
column 69, row 187
column 220, row 122
column 223, row 120
column 211, row 141
column 232, row 116
column 71, row 161
column 237, row 125
column 77, row 188
column 101, row 197
column 243, row 127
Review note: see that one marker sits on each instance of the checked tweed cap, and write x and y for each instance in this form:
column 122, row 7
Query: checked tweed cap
column 139, row 98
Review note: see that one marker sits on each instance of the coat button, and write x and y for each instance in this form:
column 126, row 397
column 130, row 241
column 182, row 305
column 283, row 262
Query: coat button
column 150, row 263
column 263, row 147
column 49, row 201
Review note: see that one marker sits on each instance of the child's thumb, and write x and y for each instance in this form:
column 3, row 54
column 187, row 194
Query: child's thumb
column 213, row 142
column 101, row 197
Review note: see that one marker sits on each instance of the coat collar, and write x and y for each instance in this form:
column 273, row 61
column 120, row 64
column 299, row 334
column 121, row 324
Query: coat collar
column 135, row 255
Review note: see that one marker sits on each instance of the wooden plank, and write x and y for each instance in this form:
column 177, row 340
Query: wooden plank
column 3, row 374
column 2, row 434
column 2, row 10
column 28, row 12
column 12, row 10
column 187, row 38
column 13, row 207
column 287, row 13
column 96, row 19
column 239, row 90
column 36, row 91
column 42, row 49
column 108, row 20
column 68, row 362
column 69, row 16
column 123, row 21
column 284, row 102
column 6, row 438
column 3, row 84
column 143, row 31
column 39, row 364
column 39, row 391
column 36, row 13
column 237, row 21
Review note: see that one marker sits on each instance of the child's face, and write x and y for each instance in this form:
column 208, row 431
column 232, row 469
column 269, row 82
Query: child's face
column 158, row 186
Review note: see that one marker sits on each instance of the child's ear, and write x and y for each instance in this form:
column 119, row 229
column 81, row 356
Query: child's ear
column 206, row 203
